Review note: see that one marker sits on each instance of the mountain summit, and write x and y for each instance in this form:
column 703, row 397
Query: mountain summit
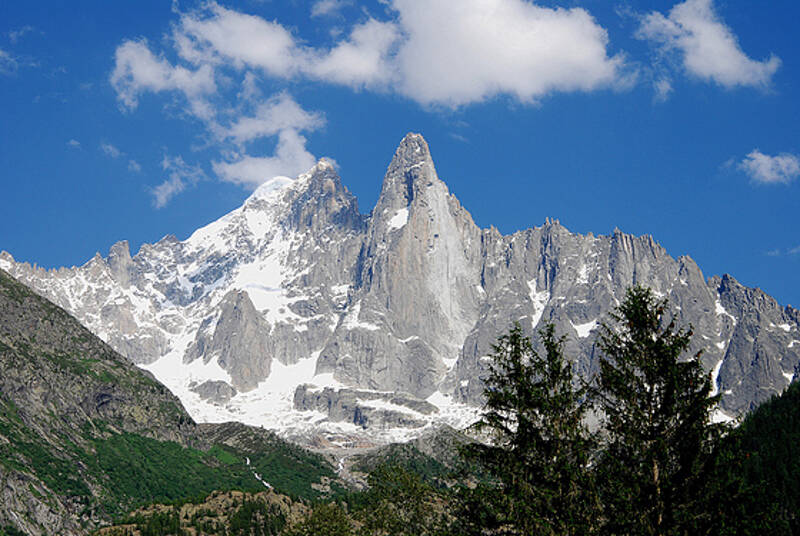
column 296, row 301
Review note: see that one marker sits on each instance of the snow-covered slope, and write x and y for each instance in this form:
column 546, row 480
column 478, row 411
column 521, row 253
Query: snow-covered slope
column 255, row 314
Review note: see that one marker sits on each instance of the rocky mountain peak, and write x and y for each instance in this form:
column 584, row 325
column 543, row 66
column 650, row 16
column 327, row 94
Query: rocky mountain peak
column 318, row 199
column 410, row 175
column 296, row 286
column 120, row 262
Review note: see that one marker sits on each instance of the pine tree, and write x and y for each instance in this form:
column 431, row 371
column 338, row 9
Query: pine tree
column 541, row 449
column 656, row 417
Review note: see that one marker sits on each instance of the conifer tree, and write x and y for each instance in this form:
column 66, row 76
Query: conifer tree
column 540, row 449
column 656, row 417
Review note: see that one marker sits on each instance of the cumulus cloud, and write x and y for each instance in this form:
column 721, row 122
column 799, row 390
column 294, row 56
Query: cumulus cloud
column 707, row 47
column 180, row 175
column 291, row 158
column 279, row 113
column 138, row 70
column 481, row 49
column 110, row 150
column 134, row 166
column 216, row 34
column 766, row 169
column 432, row 52
column 362, row 60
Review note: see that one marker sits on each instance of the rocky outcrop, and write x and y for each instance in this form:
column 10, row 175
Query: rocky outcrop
column 239, row 341
column 215, row 391
column 408, row 298
column 364, row 408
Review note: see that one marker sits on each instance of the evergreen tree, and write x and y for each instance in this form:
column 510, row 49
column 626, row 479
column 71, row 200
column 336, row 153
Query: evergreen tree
column 541, row 449
column 656, row 410
column 400, row 503
column 325, row 520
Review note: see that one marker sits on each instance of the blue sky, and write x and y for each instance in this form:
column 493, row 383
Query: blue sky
column 132, row 120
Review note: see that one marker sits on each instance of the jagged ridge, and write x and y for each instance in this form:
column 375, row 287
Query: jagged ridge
column 296, row 286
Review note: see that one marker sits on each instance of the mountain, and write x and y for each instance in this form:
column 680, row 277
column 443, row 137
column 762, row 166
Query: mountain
column 298, row 313
column 85, row 435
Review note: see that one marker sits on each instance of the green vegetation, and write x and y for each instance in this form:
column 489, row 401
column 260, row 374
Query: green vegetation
column 656, row 407
column 541, row 448
column 8, row 530
column 255, row 518
column 409, row 458
column 755, row 482
column 328, row 519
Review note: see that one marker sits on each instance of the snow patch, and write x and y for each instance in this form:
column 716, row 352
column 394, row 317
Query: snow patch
column 720, row 310
column 399, row 220
column 793, row 343
column 786, row 327
column 352, row 322
column 788, row 375
column 584, row 329
column 539, row 299
column 714, row 377
column 583, row 275
column 270, row 189
column 719, row 416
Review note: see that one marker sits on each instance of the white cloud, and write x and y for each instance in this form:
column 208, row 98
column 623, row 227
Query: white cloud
column 480, row 49
column 794, row 251
column 291, row 158
column 279, row 113
column 75, row 144
column 779, row 169
column 250, row 91
column 137, row 70
column 180, row 175
column 217, row 34
column 709, row 48
column 363, row 60
column 434, row 52
column 110, row 150
column 134, row 166
column 327, row 7
column 663, row 89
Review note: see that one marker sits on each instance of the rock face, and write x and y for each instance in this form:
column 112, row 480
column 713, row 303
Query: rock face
column 364, row 408
column 215, row 391
column 296, row 286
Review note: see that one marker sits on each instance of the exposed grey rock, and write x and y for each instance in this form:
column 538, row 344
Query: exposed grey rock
column 238, row 340
column 353, row 406
column 407, row 299
column 215, row 391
